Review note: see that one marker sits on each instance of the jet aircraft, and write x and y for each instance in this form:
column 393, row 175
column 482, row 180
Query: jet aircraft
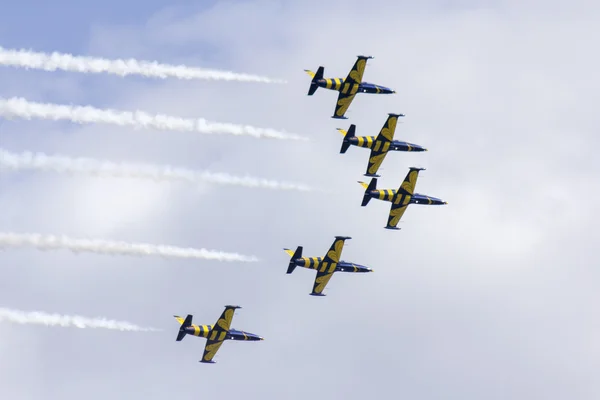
column 215, row 334
column 400, row 198
column 379, row 145
column 325, row 266
column 348, row 87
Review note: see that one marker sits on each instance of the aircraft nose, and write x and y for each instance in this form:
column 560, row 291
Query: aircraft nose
column 252, row 336
column 365, row 269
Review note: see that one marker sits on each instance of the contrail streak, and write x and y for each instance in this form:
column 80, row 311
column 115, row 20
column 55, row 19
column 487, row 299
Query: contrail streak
column 58, row 163
column 67, row 321
column 22, row 108
column 67, row 62
column 52, row 242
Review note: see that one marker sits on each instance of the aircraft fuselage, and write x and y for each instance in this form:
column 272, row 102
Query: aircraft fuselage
column 207, row 331
column 317, row 263
column 395, row 145
column 392, row 195
column 339, row 85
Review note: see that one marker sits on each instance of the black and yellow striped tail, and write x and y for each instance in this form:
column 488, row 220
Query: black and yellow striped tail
column 185, row 324
column 371, row 186
column 295, row 255
column 349, row 134
column 315, row 77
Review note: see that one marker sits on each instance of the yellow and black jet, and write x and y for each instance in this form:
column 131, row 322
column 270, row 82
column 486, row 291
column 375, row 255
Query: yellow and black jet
column 400, row 198
column 215, row 334
column 348, row 87
column 379, row 145
column 325, row 266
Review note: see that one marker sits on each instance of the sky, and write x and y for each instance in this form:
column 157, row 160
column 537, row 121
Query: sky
column 492, row 295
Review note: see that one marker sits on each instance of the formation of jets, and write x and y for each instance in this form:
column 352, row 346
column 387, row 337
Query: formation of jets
column 326, row 266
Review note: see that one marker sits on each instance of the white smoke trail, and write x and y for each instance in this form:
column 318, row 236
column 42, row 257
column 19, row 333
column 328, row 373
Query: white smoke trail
column 67, row 321
column 22, row 108
column 67, row 62
column 51, row 242
column 57, row 163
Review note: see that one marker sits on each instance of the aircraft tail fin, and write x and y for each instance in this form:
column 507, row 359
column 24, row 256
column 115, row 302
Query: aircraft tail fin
column 185, row 323
column 349, row 134
column 296, row 254
column 315, row 77
column 371, row 186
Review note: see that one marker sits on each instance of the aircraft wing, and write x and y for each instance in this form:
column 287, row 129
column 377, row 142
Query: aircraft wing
column 382, row 144
column 335, row 251
column 210, row 350
column 389, row 128
column 329, row 264
column 353, row 79
column 396, row 213
column 378, row 153
column 402, row 198
column 358, row 69
column 321, row 280
column 224, row 321
column 218, row 334
column 410, row 181
column 343, row 102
